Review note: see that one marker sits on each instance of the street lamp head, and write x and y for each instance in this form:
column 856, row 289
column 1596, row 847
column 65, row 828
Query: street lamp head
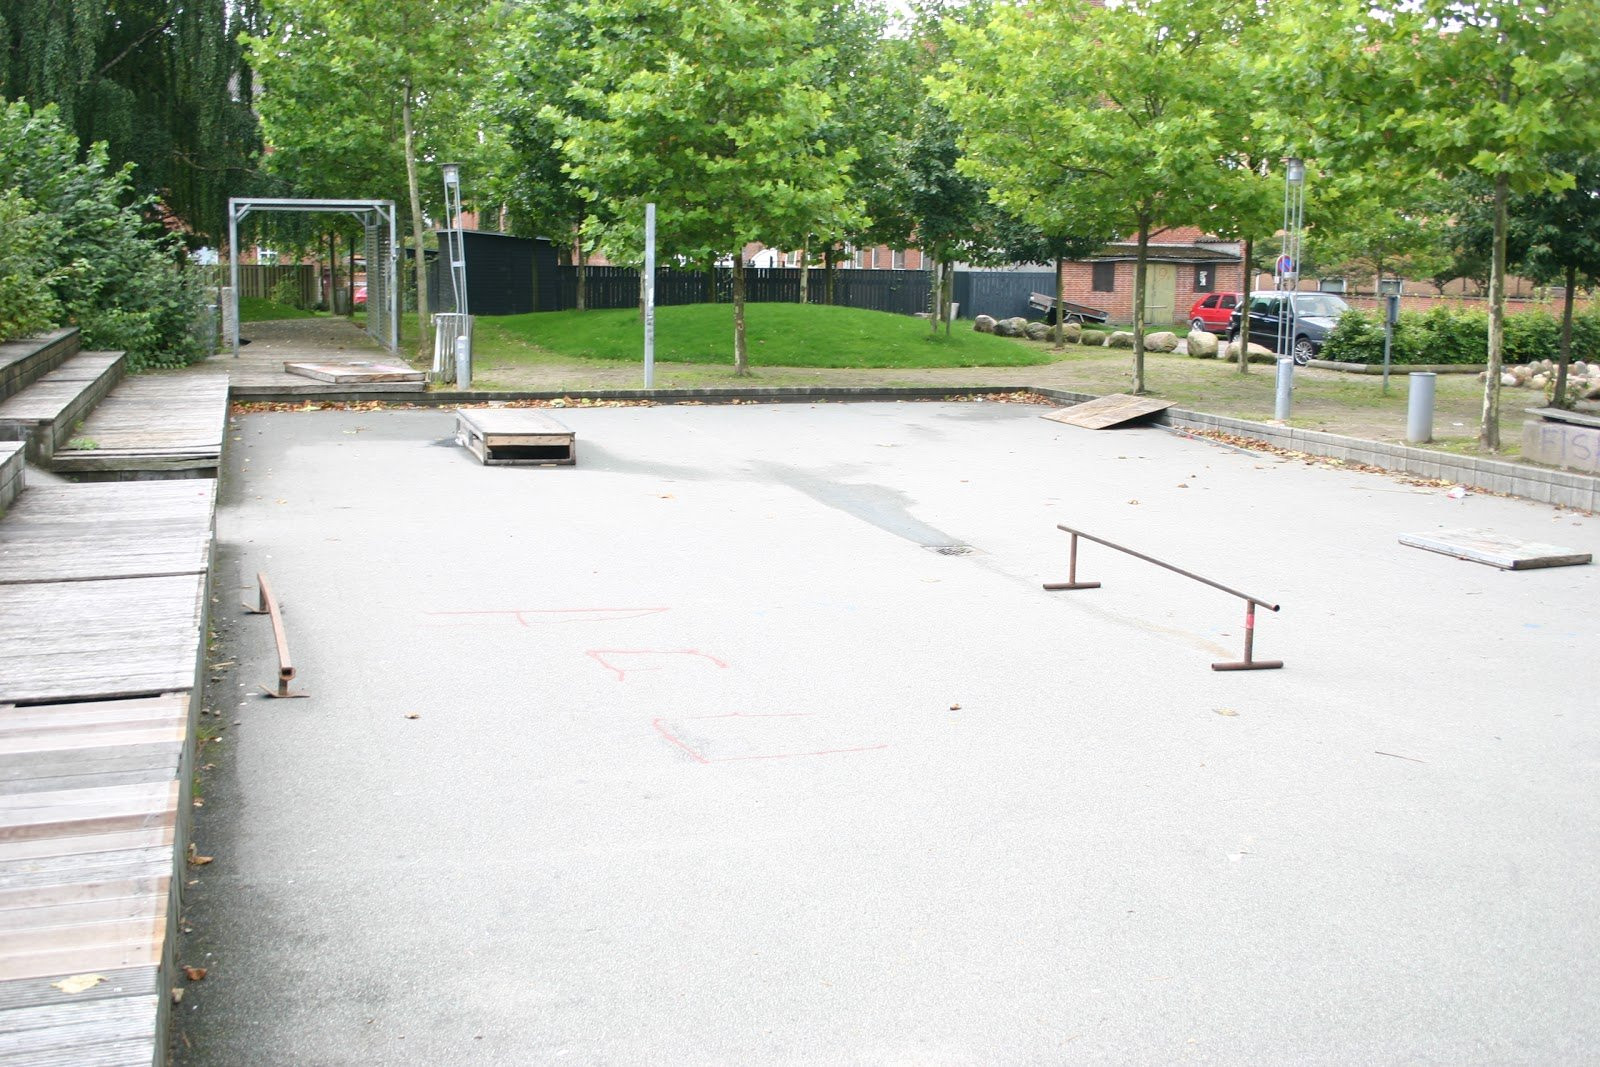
column 452, row 174
column 1296, row 171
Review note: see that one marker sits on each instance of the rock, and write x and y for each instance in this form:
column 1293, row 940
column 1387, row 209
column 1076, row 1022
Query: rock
column 1011, row 327
column 1202, row 344
column 1071, row 333
column 1580, row 368
column 1036, row 331
column 1119, row 339
column 1258, row 354
column 1593, row 392
column 1483, row 376
column 1507, row 378
column 1520, row 374
column 1538, row 381
column 983, row 324
column 1164, row 341
column 1094, row 338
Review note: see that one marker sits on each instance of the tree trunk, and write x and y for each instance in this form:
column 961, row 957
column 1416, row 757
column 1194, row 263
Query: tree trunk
column 741, row 354
column 829, row 266
column 935, row 291
column 946, row 295
column 1061, row 304
column 350, row 276
column 711, row 279
column 1138, row 306
column 805, row 271
column 1560, row 400
column 583, row 276
column 424, row 335
column 1489, row 430
column 1244, row 308
column 333, row 271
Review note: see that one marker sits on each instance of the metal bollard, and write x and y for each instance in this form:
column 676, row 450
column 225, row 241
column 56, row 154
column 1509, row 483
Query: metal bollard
column 1419, row 407
column 463, row 363
column 1280, row 409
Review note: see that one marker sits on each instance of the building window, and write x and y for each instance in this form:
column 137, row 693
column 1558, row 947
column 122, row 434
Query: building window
column 1204, row 278
column 1104, row 278
column 858, row 259
column 899, row 260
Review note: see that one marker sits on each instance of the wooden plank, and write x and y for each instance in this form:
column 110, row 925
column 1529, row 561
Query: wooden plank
column 41, row 991
column 511, row 421
column 182, row 414
column 86, row 640
column 81, row 812
column 355, row 373
column 154, row 861
column 1496, row 550
column 1108, row 411
column 26, row 1034
column 31, row 857
column 23, row 900
column 169, row 710
column 23, row 362
column 108, row 530
column 515, row 437
column 1577, row 418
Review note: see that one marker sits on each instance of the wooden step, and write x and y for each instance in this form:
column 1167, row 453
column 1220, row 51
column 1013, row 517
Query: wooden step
column 24, row 362
column 515, row 437
column 152, row 425
column 13, row 467
column 59, row 533
column 46, row 414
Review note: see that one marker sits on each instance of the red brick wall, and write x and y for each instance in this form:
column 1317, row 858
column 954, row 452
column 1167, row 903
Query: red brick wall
column 1078, row 279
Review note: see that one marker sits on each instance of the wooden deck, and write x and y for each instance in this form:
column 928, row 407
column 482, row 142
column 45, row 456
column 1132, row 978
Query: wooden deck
column 258, row 371
column 65, row 533
column 13, row 463
column 154, row 423
column 47, row 412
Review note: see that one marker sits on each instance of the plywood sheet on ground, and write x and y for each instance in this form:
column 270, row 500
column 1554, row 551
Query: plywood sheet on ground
column 92, row 640
column 108, row 530
column 1496, row 550
column 355, row 373
column 1108, row 411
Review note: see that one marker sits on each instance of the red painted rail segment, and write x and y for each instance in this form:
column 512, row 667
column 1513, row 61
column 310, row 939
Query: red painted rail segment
column 1249, row 663
column 269, row 606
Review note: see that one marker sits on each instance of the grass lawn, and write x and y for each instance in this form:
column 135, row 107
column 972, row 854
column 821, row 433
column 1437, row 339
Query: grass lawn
column 779, row 335
column 260, row 309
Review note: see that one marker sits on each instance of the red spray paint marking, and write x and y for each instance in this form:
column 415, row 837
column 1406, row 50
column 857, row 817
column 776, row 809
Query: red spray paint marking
column 599, row 656
column 661, row 728
column 572, row 614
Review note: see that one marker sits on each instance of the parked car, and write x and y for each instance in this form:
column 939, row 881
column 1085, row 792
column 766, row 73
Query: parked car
column 361, row 294
column 1312, row 317
column 1212, row 312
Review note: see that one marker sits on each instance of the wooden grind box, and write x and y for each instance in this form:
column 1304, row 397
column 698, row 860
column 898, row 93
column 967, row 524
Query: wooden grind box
column 515, row 437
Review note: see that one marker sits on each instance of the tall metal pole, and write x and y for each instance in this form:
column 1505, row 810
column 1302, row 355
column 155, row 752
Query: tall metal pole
column 233, row 269
column 649, row 296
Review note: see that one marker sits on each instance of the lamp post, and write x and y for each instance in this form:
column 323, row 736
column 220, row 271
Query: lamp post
column 453, row 347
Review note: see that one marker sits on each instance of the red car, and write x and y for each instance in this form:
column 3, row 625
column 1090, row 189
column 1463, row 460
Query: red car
column 1212, row 311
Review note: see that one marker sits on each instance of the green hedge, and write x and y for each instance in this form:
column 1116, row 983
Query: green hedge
column 76, row 247
column 1444, row 335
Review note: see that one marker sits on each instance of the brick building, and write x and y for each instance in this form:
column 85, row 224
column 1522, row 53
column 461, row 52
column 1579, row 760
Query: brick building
column 1182, row 263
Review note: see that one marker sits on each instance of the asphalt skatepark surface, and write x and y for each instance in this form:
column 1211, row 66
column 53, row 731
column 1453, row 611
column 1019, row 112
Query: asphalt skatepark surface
column 753, row 738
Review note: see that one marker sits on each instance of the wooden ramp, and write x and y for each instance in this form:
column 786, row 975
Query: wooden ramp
column 65, row 533
column 515, row 437
column 152, row 425
column 356, row 373
column 1108, row 411
column 1496, row 550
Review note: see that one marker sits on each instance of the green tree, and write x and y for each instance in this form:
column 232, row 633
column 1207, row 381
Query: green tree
column 364, row 90
column 708, row 109
column 163, row 84
column 1490, row 88
column 1135, row 100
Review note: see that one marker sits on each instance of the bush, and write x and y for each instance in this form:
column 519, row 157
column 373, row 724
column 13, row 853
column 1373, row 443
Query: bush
column 105, row 267
column 27, row 269
column 1446, row 336
column 287, row 293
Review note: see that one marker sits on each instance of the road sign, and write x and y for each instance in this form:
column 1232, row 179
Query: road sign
column 1285, row 265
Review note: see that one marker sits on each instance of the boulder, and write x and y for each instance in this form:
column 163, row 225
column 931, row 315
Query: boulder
column 1119, row 339
column 1520, row 374
column 983, row 324
column 1071, row 333
column 1258, row 354
column 1162, row 341
column 1593, row 393
column 1202, row 344
column 1092, row 337
column 1011, row 327
column 1580, row 368
column 1036, row 331
column 1507, row 378
column 1538, row 381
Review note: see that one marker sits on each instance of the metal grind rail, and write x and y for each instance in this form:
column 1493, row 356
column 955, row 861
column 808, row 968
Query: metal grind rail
column 269, row 606
column 1249, row 663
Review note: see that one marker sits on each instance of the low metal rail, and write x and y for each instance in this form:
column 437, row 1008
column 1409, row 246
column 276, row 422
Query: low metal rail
column 268, row 606
column 1249, row 663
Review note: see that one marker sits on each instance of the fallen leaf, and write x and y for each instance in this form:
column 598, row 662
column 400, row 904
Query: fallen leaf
column 200, row 861
column 194, row 974
column 412, row 715
column 79, row 982
column 177, row 995
column 199, row 803
column 1133, row 501
column 955, row 707
column 1227, row 711
column 1183, row 485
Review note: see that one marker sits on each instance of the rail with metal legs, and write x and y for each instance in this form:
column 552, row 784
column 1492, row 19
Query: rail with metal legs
column 1249, row 663
column 269, row 606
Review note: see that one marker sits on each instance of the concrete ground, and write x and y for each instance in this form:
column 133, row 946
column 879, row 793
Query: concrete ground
column 702, row 751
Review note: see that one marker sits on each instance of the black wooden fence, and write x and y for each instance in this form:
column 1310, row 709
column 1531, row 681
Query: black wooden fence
column 904, row 292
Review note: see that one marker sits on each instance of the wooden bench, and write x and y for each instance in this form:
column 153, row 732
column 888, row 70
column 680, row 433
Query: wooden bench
column 515, row 437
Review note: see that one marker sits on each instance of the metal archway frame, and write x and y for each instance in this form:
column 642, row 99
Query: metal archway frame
column 380, row 246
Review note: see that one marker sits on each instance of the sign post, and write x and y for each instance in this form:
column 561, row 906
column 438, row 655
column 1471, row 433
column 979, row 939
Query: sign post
column 649, row 296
